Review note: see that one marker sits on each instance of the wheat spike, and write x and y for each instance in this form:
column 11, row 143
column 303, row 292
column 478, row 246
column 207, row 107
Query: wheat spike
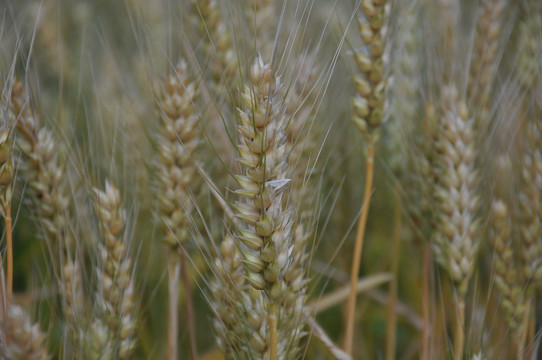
column 179, row 139
column 372, row 62
column 117, row 294
column 456, row 237
column 219, row 45
column 19, row 338
column 47, row 180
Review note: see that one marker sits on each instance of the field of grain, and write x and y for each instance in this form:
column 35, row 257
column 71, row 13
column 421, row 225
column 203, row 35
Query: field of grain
column 271, row 179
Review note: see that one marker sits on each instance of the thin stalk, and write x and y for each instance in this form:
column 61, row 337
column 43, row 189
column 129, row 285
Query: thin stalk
column 459, row 330
column 351, row 305
column 174, row 270
column 9, row 238
column 189, row 306
column 425, row 304
column 272, row 331
column 321, row 335
column 531, row 332
column 520, row 353
column 524, row 330
column 338, row 296
column 391, row 313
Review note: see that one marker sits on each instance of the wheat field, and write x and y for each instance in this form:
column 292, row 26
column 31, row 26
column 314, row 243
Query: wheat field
column 271, row 179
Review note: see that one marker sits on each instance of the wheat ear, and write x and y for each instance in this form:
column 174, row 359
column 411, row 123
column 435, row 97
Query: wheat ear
column 117, row 293
column 47, row 182
column 528, row 73
column 179, row 138
column 484, row 63
column 456, row 236
column 19, row 338
column 530, row 197
column 266, row 238
column 512, row 299
column 299, row 109
column 219, row 45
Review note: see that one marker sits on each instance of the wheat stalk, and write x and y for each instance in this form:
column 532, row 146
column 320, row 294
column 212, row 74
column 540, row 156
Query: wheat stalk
column 6, row 179
column 368, row 115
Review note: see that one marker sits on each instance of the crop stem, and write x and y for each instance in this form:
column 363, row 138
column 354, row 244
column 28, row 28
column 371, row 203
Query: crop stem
column 391, row 315
column 189, row 305
column 425, row 354
column 9, row 238
column 351, row 305
column 459, row 330
column 173, row 318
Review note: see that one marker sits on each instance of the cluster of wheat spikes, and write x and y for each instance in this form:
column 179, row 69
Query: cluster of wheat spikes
column 271, row 179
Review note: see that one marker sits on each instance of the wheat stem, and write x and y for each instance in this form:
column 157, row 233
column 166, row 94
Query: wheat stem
column 425, row 352
column 9, row 239
column 391, row 314
column 524, row 329
column 317, row 331
column 6, row 177
column 459, row 330
column 272, row 331
column 185, row 276
column 173, row 302
column 351, row 305
column 365, row 284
